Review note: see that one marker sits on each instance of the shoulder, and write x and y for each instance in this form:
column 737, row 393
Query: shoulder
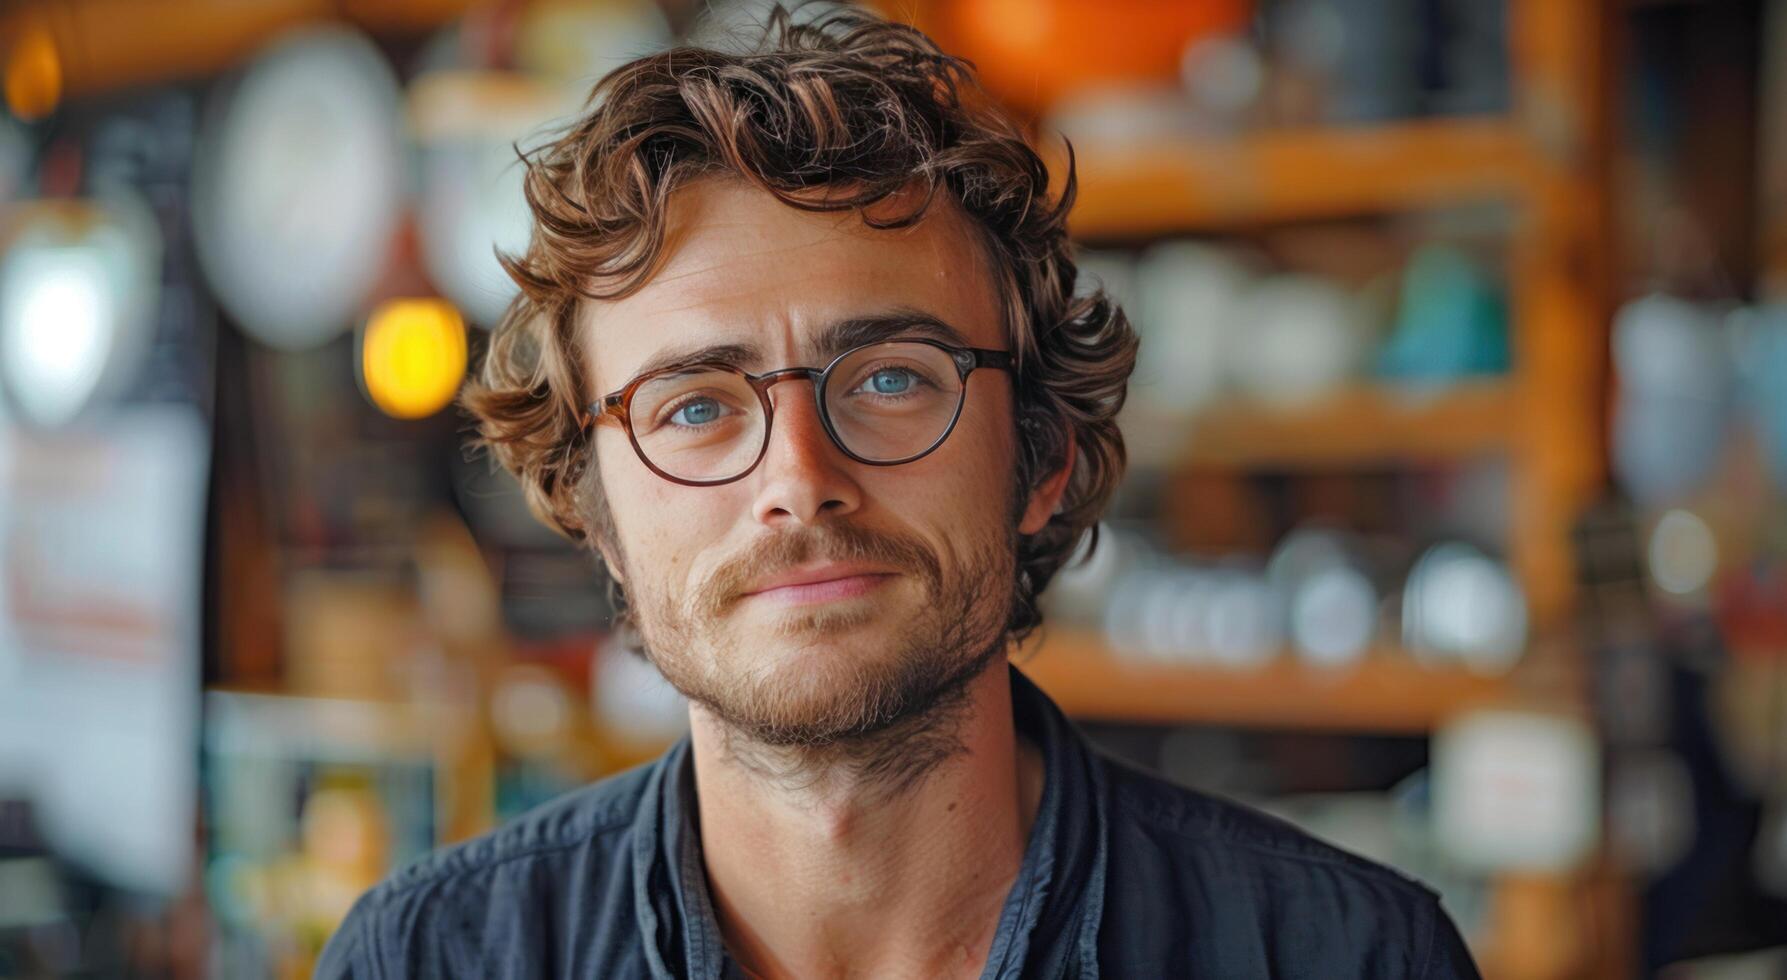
column 1258, row 890
column 458, row 902
column 1187, row 818
column 567, row 822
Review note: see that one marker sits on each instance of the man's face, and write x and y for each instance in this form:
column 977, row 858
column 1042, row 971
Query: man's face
column 817, row 597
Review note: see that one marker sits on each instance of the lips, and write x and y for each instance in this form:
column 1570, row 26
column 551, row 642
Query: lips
column 812, row 578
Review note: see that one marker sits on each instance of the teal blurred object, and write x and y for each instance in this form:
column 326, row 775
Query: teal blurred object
column 1762, row 364
column 1451, row 322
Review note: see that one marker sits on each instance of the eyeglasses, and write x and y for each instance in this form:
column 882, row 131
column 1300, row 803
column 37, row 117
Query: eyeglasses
column 883, row 404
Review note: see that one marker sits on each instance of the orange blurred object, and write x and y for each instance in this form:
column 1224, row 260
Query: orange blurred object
column 33, row 73
column 1033, row 52
column 59, row 50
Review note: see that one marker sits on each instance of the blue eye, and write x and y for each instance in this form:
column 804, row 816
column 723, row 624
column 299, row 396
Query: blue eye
column 698, row 411
column 890, row 381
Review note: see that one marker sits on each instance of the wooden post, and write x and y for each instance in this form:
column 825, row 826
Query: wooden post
column 1561, row 267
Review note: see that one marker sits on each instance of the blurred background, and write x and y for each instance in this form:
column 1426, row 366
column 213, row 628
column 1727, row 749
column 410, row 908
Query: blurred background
column 1454, row 530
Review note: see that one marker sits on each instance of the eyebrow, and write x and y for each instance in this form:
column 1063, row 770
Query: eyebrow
column 834, row 339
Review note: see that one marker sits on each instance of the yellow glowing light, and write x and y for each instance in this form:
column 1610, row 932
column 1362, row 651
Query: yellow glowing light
column 413, row 356
column 33, row 74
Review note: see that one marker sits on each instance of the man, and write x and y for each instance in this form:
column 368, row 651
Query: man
column 799, row 354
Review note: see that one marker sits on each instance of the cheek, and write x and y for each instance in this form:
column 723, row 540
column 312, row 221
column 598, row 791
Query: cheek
column 661, row 526
column 965, row 485
column 983, row 449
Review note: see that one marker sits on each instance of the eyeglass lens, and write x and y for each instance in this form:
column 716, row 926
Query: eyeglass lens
column 886, row 403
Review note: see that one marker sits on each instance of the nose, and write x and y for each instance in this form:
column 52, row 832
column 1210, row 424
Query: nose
column 803, row 477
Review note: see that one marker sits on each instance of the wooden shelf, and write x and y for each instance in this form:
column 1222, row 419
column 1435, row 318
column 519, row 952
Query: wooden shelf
column 98, row 46
column 1386, row 693
column 275, row 725
column 1368, row 423
column 1292, row 175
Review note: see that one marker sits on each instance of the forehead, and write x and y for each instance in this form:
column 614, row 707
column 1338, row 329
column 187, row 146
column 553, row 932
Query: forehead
column 743, row 268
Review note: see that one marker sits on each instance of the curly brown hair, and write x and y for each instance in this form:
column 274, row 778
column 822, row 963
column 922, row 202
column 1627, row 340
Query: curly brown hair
column 864, row 109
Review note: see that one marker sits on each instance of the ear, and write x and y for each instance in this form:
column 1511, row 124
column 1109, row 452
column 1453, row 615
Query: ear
column 1047, row 495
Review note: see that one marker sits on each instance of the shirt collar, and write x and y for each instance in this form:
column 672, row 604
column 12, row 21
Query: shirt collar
column 1048, row 926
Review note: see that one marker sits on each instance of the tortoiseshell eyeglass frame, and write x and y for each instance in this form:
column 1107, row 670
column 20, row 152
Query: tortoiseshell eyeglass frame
column 615, row 408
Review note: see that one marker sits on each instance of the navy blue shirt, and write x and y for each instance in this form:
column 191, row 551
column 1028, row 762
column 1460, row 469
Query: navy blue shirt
column 1124, row 875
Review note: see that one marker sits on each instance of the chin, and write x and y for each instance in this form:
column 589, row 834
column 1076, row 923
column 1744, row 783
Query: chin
column 815, row 689
column 820, row 624
column 814, row 653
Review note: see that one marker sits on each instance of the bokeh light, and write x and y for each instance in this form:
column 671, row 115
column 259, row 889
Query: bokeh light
column 413, row 356
column 1683, row 553
column 33, row 73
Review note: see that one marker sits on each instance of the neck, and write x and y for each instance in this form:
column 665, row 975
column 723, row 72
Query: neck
column 887, row 858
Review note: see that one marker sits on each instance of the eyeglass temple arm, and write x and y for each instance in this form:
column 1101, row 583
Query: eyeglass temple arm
column 984, row 357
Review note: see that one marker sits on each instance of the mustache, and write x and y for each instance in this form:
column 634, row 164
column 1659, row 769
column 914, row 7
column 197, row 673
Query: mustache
column 726, row 585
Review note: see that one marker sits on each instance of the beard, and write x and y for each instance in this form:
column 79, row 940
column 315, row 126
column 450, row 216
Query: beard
column 844, row 688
